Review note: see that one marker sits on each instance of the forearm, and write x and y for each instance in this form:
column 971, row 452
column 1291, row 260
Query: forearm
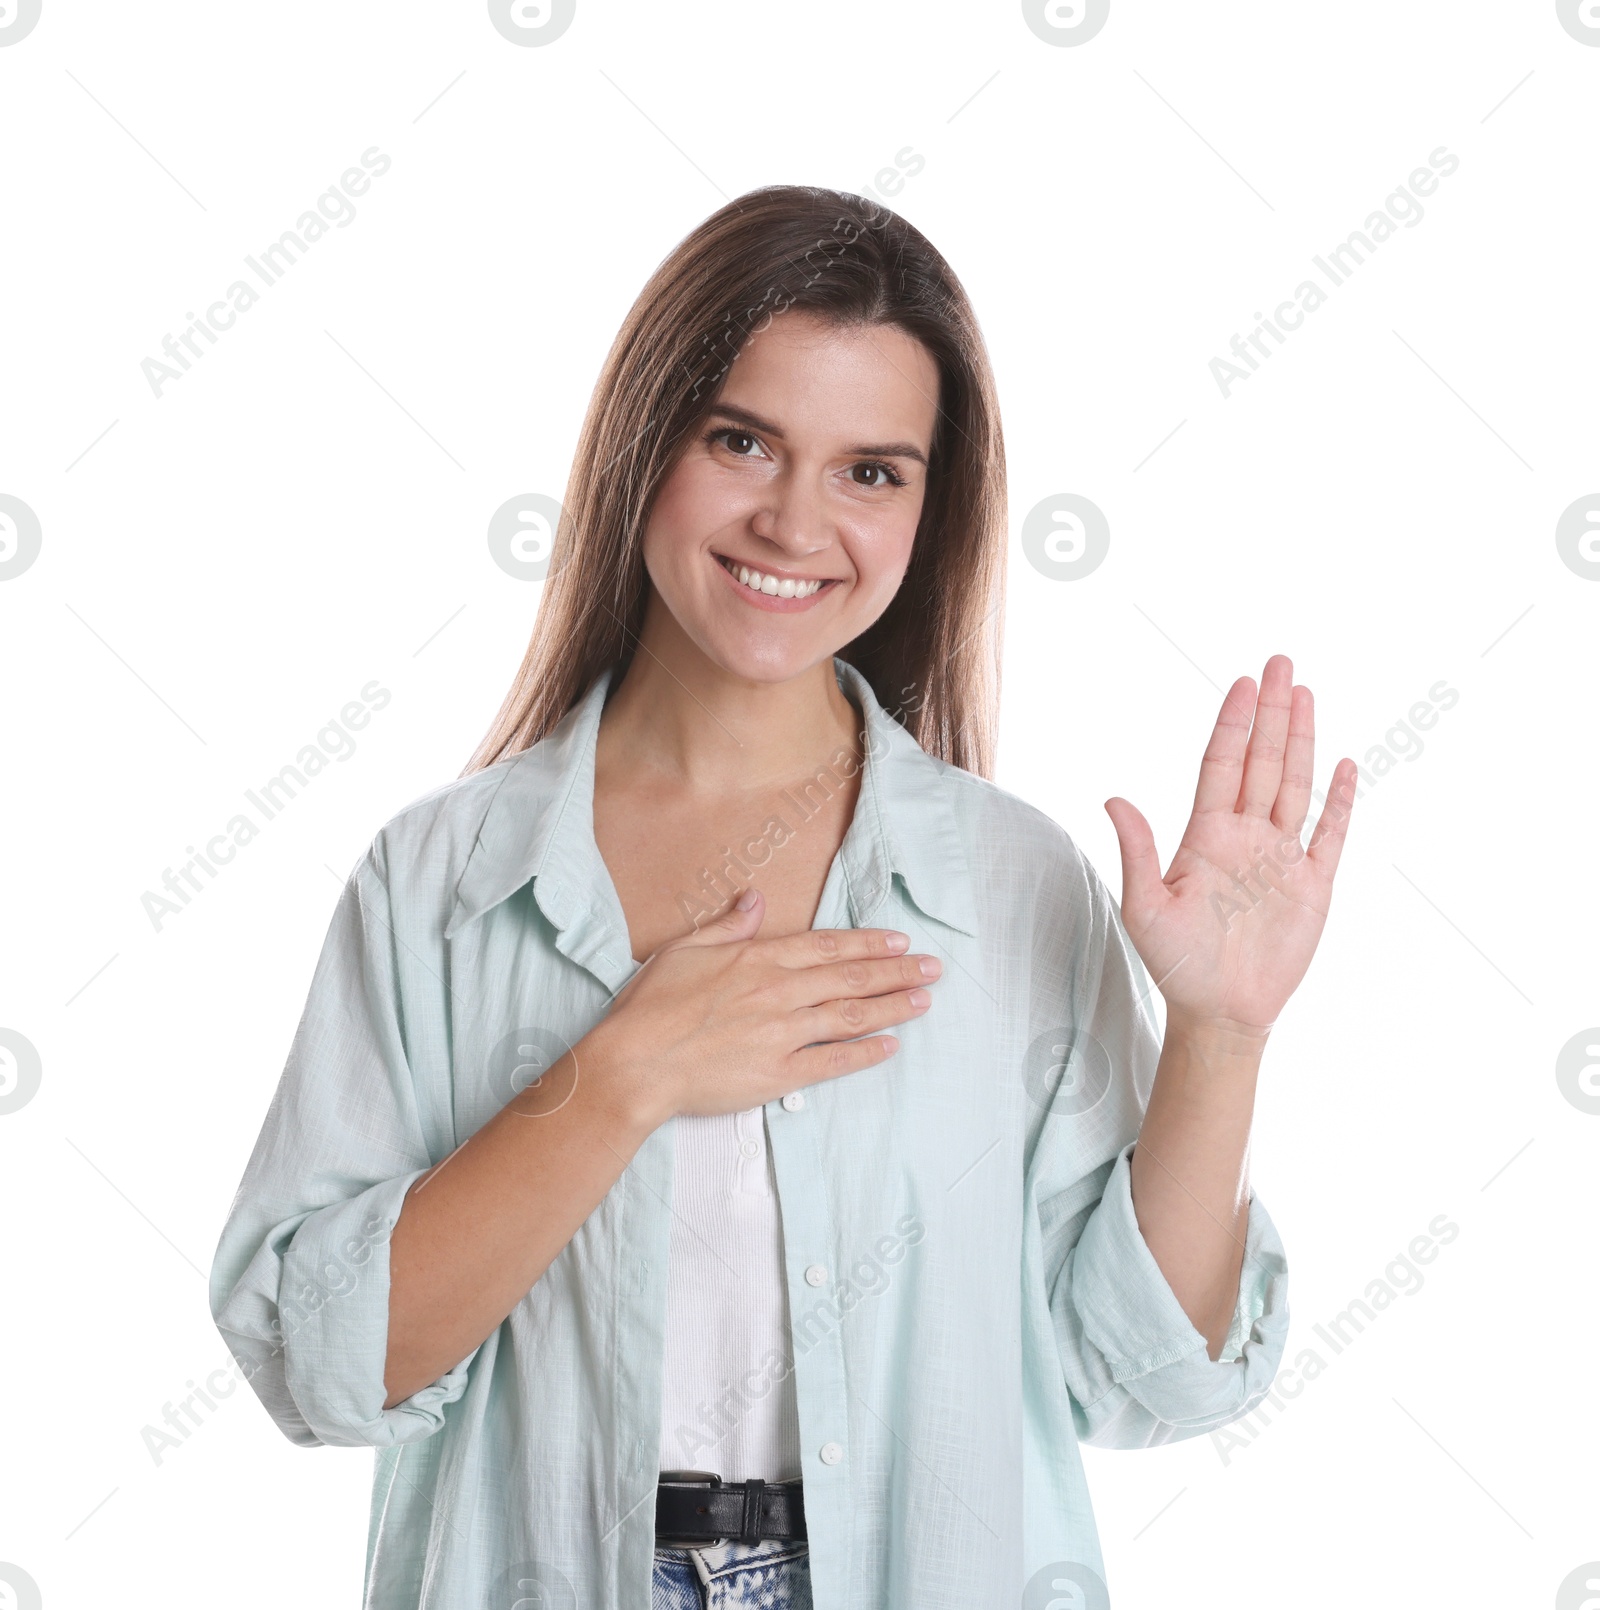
column 1190, row 1190
column 475, row 1233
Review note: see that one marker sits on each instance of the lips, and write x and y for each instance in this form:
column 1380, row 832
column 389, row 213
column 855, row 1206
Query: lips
column 770, row 586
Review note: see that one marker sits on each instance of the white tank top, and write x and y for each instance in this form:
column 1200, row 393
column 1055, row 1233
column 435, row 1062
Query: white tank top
column 728, row 1401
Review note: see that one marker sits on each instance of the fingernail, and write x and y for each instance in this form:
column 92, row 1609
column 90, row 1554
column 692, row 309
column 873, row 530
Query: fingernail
column 898, row 941
column 746, row 900
column 930, row 967
column 919, row 997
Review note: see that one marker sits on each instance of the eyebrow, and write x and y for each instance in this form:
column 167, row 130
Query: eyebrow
column 743, row 416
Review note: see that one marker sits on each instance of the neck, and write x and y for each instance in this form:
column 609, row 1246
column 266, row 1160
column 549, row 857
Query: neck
column 707, row 730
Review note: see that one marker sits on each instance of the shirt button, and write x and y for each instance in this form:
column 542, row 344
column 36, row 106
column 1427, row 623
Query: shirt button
column 793, row 1102
column 816, row 1274
column 749, row 1147
column 831, row 1453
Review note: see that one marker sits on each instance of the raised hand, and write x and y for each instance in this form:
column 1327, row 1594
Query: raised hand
column 1229, row 931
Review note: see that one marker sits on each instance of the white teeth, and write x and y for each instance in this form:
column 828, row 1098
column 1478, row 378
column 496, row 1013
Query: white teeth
column 770, row 585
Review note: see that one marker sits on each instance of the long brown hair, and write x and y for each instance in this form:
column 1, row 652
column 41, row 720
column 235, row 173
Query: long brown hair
column 933, row 657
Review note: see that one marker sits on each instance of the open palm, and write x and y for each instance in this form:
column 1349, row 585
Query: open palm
column 1229, row 931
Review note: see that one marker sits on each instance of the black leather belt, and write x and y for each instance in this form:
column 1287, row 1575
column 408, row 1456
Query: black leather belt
column 693, row 1507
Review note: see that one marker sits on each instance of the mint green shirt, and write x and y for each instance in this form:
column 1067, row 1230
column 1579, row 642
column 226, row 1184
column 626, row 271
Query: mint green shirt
column 988, row 1302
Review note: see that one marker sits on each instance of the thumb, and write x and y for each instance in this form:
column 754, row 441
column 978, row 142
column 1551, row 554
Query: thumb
column 742, row 920
column 1141, row 866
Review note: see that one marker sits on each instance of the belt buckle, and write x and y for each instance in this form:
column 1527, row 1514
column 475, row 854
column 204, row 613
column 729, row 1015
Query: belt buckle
column 689, row 1478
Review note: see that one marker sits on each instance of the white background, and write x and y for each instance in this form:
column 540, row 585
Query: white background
column 305, row 511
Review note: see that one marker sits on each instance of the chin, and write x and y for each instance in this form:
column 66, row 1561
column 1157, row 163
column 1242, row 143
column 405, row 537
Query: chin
column 769, row 660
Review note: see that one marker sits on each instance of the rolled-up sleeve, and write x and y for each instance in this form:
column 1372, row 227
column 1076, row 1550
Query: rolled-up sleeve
column 1138, row 1371
column 300, row 1280
column 1133, row 1357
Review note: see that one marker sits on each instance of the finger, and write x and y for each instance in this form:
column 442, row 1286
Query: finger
column 1141, row 866
column 818, row 1062
column 1294, row 795
column 733, row 924
column 845, row 1019
column 1269, row 737
column 1223, row 763
column 811, row 986
column 821, row 945
column 1327, row 840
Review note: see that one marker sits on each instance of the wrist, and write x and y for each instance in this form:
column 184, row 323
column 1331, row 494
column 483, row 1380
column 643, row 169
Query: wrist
column 615, row 1076
column 1220, row 1035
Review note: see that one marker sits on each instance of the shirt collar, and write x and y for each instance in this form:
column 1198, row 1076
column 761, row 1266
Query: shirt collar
column 905, row 821
column 540, row 826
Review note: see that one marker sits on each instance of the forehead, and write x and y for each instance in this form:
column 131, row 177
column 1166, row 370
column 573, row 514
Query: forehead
column 806, row 374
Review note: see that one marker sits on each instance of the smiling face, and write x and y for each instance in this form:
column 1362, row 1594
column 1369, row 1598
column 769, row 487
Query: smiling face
column 811, row 469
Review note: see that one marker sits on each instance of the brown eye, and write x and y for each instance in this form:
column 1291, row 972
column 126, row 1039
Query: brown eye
column 731, row 439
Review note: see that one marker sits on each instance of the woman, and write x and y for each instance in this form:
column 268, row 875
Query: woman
column 722, row 1080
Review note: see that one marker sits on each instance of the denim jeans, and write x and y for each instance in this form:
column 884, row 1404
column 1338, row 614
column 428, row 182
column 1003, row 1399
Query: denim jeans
column 773, row 1574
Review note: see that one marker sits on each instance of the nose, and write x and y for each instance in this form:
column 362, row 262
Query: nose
column 791, row 516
